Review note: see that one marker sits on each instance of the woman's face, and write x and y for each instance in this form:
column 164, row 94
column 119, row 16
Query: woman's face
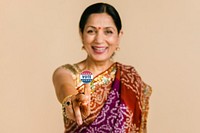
column 100, row 37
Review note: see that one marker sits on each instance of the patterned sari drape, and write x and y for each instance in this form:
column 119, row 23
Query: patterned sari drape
column 124, row 104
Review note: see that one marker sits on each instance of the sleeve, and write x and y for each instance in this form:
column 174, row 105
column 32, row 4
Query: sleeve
column 74, row 73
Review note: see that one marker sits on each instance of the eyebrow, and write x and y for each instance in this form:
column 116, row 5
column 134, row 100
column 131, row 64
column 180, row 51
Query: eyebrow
column 97, row 27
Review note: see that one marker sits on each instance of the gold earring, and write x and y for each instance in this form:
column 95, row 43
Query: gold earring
column 118, row 48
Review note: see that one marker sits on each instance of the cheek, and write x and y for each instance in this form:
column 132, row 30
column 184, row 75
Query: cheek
column 87, row 39
column 114, row 41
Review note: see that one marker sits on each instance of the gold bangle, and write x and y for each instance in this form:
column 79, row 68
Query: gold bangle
column 63, row 101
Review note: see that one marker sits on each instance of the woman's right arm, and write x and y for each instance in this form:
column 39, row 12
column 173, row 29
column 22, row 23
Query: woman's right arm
column 64, row 83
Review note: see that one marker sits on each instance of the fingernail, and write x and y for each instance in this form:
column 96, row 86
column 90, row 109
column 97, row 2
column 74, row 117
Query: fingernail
column 79, row 122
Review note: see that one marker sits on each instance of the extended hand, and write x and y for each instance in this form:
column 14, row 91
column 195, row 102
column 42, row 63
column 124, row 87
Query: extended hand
column 79, row 109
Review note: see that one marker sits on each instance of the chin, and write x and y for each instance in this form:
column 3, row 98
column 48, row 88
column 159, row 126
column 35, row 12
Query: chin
column 101, row 59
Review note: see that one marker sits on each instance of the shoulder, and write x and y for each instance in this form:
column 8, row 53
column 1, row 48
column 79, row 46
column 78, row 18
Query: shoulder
column 130, row 71
column 70, row 68
column 64, row 71
column 129, row 74
column 126, row 68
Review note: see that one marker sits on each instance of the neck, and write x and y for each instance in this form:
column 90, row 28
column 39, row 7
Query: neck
column 97, row 67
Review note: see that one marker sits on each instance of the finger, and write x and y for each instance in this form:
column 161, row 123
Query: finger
column 87, row 89
column 69, row 112
column 85, row 111
column 77, row 112
column 84, row 103
column 82, row 99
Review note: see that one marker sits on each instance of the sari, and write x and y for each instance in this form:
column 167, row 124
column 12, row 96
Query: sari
column 119, row 102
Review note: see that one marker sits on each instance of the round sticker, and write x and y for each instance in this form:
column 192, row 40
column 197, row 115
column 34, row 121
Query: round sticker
column 86, row 76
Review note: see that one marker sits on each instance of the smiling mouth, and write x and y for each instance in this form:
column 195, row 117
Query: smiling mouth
column 99, row 50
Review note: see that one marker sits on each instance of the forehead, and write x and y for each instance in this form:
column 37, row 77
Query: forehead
column 100, row 19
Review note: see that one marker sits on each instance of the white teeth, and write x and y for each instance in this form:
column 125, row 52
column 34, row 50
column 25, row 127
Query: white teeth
column 99, row 49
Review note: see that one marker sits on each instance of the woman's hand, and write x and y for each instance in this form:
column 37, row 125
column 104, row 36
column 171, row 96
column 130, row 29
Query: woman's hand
column 79, row 108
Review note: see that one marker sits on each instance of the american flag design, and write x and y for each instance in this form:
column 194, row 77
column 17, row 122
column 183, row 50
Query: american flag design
column 86, row 76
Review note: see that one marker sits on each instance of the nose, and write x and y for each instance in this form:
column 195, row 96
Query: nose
column 99, row 38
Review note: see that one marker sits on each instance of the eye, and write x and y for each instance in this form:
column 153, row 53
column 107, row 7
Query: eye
column 91, row 31
column 107, row 32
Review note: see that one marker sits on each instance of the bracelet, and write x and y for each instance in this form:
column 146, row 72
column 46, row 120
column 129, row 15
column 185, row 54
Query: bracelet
column 65, row 99
column 66, row 102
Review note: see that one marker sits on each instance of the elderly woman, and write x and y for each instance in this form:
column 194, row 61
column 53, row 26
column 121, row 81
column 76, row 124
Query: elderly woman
column 116, row 100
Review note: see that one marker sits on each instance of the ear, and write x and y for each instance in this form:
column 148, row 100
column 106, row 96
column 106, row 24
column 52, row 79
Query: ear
column 121, row 33
column 81, row 35
column 119, row 36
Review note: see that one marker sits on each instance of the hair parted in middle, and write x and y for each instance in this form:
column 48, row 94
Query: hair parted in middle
column 100, row 8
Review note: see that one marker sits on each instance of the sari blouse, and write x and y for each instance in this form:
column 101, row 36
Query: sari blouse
column 119, row 101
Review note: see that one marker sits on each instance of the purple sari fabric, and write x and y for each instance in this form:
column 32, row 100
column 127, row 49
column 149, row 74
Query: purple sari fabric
column 111, row 118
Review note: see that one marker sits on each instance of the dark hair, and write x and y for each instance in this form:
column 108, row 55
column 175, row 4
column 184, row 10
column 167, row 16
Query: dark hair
column 100, row 8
